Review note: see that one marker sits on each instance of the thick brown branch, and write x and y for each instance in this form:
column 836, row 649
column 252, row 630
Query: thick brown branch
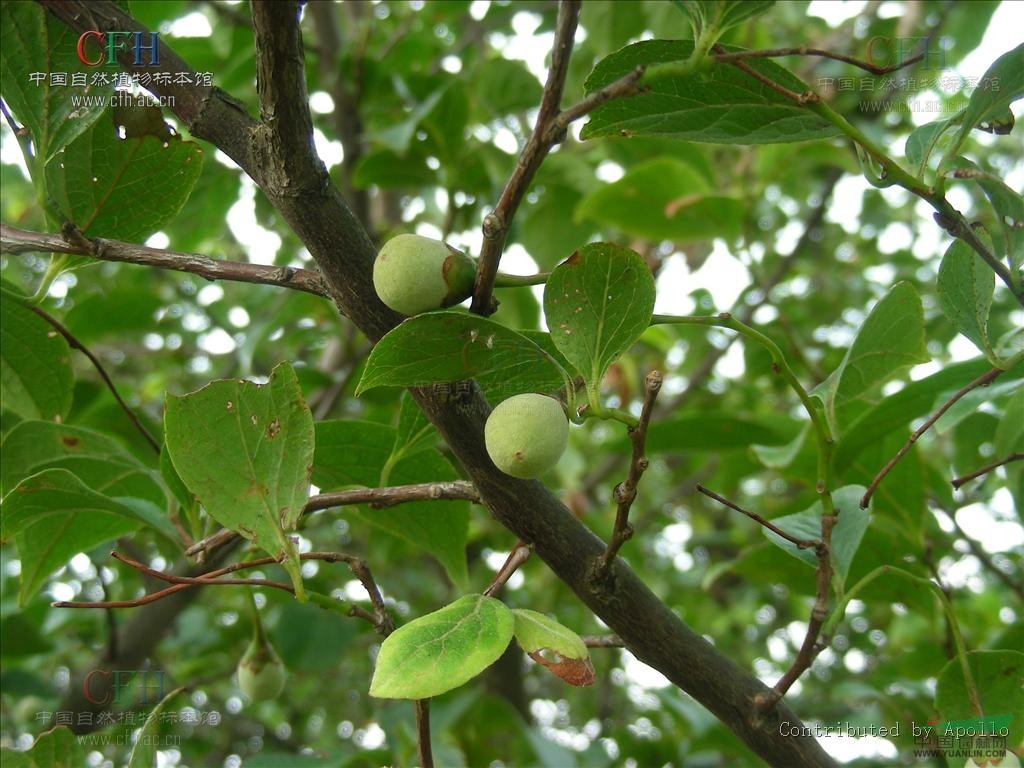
column 497, row 222
column 982, row 381
column 14, row 240
column 74, row 343
column 625, row 492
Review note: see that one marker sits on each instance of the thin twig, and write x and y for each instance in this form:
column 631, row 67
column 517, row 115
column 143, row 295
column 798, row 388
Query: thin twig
column 497, row 222
column 984, row 380
column 603, row 641
column 423, row 733
column 74, row 343
column 377, row 498
column 627, row 85
column 798, row 543
column 813, row 643
column 519, row 555
column 729, row 58
column 959, row 481
column 13, row 240
column 625, row 492
column 797, row 98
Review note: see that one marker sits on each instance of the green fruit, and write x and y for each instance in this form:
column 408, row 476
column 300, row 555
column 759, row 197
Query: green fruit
column 261, row 675
column 526, row 435
column 414, row 274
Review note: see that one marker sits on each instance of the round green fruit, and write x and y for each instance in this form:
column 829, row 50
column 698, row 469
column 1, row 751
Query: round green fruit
column 526, row 435
column 414, row 274
column 261, row 675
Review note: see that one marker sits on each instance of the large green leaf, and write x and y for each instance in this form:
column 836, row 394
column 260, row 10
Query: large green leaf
column 999, row 678
column 53, row 516
column 36, row 49
column 353, row 453
column 891, row 339
column 442, row 650
column 35, row 364
column 966, row 285
column 246, row 451
column 444, row 347
column 57, row 748
column 923, row 140
column 1008, row 205
column 846, row 534
column 712, row 431
column 896, row 411
column 597, row 303
column 664, row 199
column 725, row 106
column 98, row 461
column 126, row 188
column 1002, row 84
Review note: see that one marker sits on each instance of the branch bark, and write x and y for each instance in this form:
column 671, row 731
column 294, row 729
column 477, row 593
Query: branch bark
column 13, row 240
column 282, row 161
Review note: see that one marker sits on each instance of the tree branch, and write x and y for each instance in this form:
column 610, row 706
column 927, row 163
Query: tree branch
column 14, row 240
column 959, row 481
column 377, row 498
column 497, row 222
column 315, row 210
column 625, row 492
column 982, row 381
column 798, row 543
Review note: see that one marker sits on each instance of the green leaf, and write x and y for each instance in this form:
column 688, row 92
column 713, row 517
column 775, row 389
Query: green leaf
column 144, row 753
column 846, row 534
column 32, row 446
column 35, row 364
column 57, row 748
column 33, row 42
column 1008, row 236
column 711, row 432
column 535, row 631
column 53, row 516
column 442, row 650
column 664, row 199
column 352, row 453
column 503, row 86
column 453, row 346
column 923, row 140
column 781, row 456
column 999, row 677
column 415, row 432
column 597, row 303
column 246, row 451
column 723, row 14
column 541, row 636
column 389, row 170
column 966, row 285
column 898, row 410
column 1002, row 84
column 891, row 339
column 123, row 189
column 725, row 106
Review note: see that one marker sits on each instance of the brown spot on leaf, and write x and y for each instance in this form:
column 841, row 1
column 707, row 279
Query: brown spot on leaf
column 572, row 671
column 672, row 207
column 274, row 428
column 69, row 442
column 574, row 259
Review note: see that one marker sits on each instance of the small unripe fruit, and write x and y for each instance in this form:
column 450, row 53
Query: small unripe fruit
column 526, row 435
column 261, row 675
column 414, row 274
